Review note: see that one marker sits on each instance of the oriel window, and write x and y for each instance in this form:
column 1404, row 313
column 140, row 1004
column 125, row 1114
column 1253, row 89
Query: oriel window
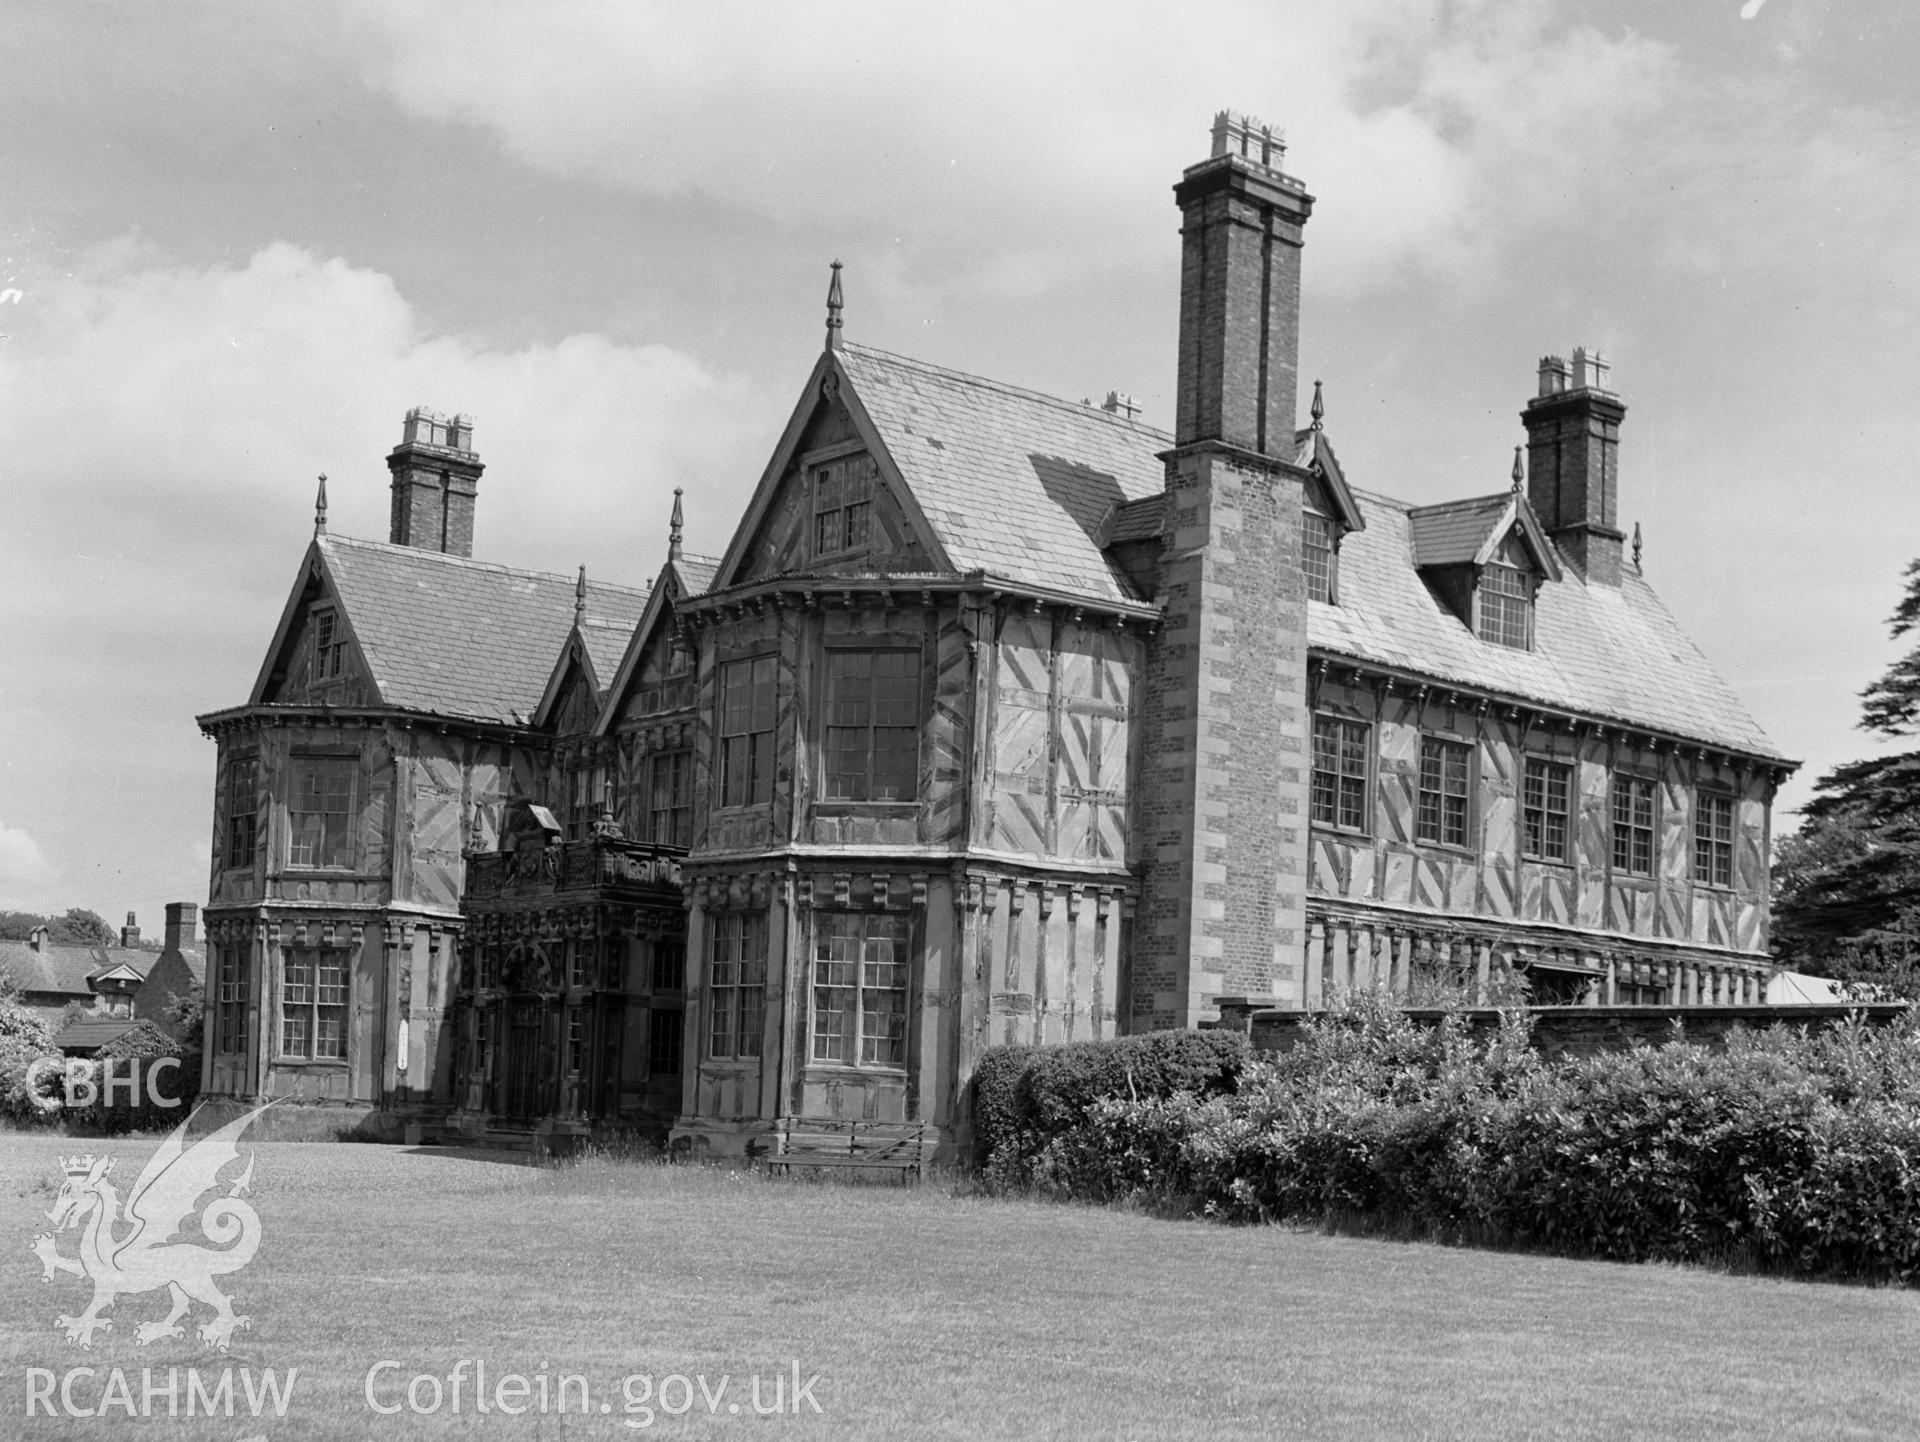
column 873, row 725
column 243, row 815
column 860, row 962
column 746, row 731
column 313, row 1005
column 320, row 811
column 736, row 983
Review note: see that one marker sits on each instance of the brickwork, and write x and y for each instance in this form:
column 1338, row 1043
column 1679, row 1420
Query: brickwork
column 1573, row 476
column 1224, row 775
column 435, row 487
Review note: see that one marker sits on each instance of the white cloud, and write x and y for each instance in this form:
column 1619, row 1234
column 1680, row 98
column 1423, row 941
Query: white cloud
column 25, row 875
column 163, row 426
column 1435, row 135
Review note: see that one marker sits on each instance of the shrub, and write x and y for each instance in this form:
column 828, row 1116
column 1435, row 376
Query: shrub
column 178, row 1086
column 1788, row 1151
column 24, row 1039
column 1024, row 1097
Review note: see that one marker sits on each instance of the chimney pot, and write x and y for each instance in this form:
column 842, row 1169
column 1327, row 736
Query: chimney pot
column 1554, row 374
column 436, row 476
column 1589, row 370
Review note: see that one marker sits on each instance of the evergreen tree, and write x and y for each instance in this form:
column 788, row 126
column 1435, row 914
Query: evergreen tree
column 1847, row 884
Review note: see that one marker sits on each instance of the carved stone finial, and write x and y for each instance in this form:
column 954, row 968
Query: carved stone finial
column 1636, row 546
column 580, row 597
column 1319, row 407
column 833, row 309
column 1519, row 470
column 320, row 508
column 675, row 527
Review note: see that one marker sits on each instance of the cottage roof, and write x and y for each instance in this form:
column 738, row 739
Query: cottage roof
column 64, row 970
column 461, row 638
column 92, row 1033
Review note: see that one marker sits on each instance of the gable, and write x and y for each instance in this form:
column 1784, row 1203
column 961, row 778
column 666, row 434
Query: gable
column 315, row 659
column 835, row 507
column 578, row 701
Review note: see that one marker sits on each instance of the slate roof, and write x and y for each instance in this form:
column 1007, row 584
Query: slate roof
column 460, row 638
column 606, row 643
column 92, row 1033
column 1013, row 483
column 1451, row 533
column 696, row 572
column 1602, row 652
column 1021, row 485
column 64, row 969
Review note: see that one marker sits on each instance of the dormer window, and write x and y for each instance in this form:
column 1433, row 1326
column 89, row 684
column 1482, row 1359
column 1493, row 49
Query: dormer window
column 842, row 504
column 1317, row 556
column 1503, row 606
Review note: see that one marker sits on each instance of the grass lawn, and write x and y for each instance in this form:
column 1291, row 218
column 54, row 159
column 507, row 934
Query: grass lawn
column 924, row 1314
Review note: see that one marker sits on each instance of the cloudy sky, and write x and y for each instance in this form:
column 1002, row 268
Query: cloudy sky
column 237, row 242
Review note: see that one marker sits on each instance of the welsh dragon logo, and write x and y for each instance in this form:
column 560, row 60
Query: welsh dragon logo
column 129, row 1248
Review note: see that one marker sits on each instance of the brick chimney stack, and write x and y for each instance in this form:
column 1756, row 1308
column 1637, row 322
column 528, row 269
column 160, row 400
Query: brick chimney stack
column 130, row 933
column 1573, row 462
column 183, row 925
column 436, row 475
column 1225, row 720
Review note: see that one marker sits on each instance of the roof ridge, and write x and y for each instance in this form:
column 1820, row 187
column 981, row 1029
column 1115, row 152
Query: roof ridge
column 1492, row 497
column 467, row 562
column 1078, row 408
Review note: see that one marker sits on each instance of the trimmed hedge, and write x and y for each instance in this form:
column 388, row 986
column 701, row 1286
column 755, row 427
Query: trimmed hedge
column 1791, row 1152
column 1024, row 1097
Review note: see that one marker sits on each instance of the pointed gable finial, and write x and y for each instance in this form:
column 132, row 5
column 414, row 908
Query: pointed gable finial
column 320, row 508
column 1319, row 407
column 674, row 529
column 580, row 597
column 833, row 309
column 1519, row 471
column 1636, row 547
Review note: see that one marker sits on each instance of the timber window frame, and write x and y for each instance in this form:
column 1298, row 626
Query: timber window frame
column 665, row 1039
column 314, row 985
column 329, row 645
column 590, row 795
column 748, row 708
column 736, row 984
column 1319, row 557
column 870, row 742
column 843, row 491
column 230, row 1001
column 243, row 812
column 1443, row 813
column 670, row 798
column 1342, row 773
column 1546, row 809
column 321, row 811
column 858, row 989
column 1713, row 816
column 1635, row 811
column 1503, row 606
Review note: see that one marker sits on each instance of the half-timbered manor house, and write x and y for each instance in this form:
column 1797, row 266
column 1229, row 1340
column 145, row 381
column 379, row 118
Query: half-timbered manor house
column 1001, row 719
